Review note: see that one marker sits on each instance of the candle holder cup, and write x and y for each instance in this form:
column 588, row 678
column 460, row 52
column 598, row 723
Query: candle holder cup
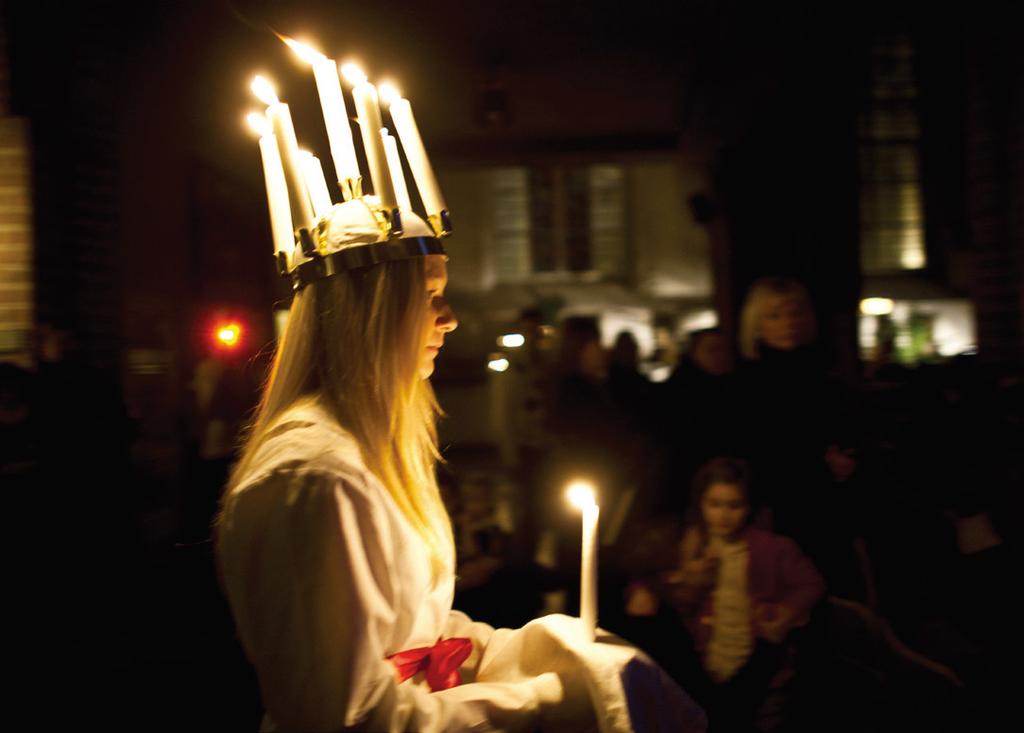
column 351, row 188
column 395, row 217
column 281, row 259
column 307, row 242
column 441, row 223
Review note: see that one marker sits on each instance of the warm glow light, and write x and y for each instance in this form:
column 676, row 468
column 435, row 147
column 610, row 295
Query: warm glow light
column 498, row 365
column 229, row 334
column 876, row 306
column 258, row 123
column 304, row 52
column 264, row 90
column 511, row 340
column 353, row 74
column 388, row 93
column 581, row 494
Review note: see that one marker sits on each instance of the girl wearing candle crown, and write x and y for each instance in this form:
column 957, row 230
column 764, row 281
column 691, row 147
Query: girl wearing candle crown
column 335, row 550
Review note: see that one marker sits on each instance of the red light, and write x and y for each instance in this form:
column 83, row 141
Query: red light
column 227, row 335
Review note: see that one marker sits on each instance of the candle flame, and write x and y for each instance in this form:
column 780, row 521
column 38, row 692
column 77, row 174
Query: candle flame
column 389, row 93
column 581, row 494
column 258, row 123
column 306, row 53
column 264, row 90
column 353, row 74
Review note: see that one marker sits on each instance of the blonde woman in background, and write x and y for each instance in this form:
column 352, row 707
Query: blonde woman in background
column 798, row 428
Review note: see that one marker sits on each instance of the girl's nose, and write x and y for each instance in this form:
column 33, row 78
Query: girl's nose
column 446, row 320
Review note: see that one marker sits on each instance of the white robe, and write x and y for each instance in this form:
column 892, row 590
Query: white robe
column 326, row 578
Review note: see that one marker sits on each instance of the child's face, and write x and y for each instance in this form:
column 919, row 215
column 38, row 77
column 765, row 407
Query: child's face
column 724, row 509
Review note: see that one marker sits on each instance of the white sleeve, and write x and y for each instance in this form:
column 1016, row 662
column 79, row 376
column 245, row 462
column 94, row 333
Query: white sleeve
column 461, row 625
column 311, row 586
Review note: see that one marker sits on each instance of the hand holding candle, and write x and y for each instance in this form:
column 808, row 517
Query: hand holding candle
column 581, row 495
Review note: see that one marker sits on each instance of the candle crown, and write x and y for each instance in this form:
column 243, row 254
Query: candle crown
column 363, row 229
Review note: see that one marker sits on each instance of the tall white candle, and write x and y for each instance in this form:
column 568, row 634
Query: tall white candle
column 316, row 184
column 281, row 123
column 581, row 495
column 395, row 167
column 339, row 133
column 412, row 143
column 368, row 113
column 332, row 102
column 277, row 189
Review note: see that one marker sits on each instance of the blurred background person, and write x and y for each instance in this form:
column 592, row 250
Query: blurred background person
column 797, row 429
column 586, row 442
column 629, row 389
column 697, row 414
column 736, row 593
column 521, row 421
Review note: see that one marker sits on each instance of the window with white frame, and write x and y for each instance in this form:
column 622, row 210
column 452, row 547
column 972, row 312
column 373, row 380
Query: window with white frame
column 559, row 220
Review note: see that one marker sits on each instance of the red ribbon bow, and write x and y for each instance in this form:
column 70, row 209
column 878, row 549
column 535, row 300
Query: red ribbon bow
column 441, row 662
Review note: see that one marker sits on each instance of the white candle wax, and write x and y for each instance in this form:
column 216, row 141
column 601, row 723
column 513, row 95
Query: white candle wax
column 277, row 196
column 281, row 121
column 316, row 184
column 588, row 573
column 412, row 143
column 581, row 494
column 368, row 110
column 339, row 133
column 397, row 175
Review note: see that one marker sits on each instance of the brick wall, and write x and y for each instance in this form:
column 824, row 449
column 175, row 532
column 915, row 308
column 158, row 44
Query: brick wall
column 995, row 181
column 16, row 242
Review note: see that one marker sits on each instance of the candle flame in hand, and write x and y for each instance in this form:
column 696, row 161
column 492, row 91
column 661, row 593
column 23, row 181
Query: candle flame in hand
column 389, row 94
column 353, row 74
column 304, row 52
column 581, row 494
column 258, row 123
column 264, row 90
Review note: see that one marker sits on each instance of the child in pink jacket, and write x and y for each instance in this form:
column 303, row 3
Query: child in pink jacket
column 739, row 590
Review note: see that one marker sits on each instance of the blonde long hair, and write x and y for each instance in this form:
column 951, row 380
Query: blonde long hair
column 352, row 346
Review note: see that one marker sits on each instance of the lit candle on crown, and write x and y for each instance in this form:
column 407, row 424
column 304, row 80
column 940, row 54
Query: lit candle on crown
column 277, row 188
column 339, row 132
column 416, row 154
column 397, row 175
column 581, row 495
column 368, row 113
column 288, row 147
column 316, row 184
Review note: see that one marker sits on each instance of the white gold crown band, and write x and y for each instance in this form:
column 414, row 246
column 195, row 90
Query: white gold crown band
column 363, row 255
